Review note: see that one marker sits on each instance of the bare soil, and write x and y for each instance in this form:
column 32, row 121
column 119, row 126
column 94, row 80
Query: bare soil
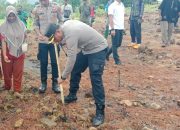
column 148, row 79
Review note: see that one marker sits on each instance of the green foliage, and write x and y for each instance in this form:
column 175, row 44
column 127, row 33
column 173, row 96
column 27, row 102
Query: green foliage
column 24, row 3
column 1, row 21
column 127, row 3
column 76, row 14
column 75, row 4
column 3, row 4
column 100, row 12
column 151, row 8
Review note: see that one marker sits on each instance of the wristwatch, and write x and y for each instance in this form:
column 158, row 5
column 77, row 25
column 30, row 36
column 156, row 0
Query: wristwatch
column 112, row 29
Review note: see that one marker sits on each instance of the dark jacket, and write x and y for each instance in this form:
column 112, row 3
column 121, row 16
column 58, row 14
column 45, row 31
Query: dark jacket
column 169, row 10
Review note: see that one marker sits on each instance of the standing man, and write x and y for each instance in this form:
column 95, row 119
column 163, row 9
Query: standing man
column 168, row 12
column 85, row 12
column 46, row 13
column 67, row 11
column 137, row 9
column 85, row 48
column 106, row 32
column 116, row 25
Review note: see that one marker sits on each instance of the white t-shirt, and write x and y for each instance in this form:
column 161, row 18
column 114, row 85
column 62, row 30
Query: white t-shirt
column 117, row 10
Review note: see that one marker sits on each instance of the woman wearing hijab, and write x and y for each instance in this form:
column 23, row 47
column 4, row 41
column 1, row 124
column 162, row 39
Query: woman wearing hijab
column 13, row 31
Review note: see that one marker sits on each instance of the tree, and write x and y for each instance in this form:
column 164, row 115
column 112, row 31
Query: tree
column 3, row 4
column 25, row 5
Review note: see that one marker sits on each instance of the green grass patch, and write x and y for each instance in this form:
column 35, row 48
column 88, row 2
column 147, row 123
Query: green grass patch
column 76, row 15
column 151, row 8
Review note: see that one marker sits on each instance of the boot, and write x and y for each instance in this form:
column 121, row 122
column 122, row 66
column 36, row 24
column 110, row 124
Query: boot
column 99, row 117
column 43, row 87
column 70, row 98
column 55, row 86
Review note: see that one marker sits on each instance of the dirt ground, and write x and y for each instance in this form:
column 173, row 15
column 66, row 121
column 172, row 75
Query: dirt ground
column 141, row 94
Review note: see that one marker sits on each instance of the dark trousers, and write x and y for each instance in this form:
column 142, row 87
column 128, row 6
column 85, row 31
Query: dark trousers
column 116, row 43
column 43, row 57
column 176, row 21
column 96, row 63
column 135, row 31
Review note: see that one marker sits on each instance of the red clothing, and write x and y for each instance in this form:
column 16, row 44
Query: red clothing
column 1, row 73
column 13, row 72
column 1, row 37
column 92, row 12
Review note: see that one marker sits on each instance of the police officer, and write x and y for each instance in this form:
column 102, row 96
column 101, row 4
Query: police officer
column 86, row 48
column 46, row 13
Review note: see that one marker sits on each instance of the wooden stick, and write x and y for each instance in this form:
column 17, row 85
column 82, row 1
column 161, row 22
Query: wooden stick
column 119, row 77
column 61, row 87
column 59, row 73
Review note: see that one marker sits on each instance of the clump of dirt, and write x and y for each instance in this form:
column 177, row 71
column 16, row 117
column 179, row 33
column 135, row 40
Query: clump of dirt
column 146, row 54
column 178, row 63
column 145, row 50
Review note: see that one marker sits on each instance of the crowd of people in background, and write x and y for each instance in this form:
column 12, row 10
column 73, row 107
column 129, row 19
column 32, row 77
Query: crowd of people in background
column 85, row 46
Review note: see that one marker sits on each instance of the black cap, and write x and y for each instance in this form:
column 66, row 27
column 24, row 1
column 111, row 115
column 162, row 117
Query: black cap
column 51, row 30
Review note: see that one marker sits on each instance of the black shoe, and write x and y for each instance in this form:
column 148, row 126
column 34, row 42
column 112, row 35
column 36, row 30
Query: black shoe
column 70, row 98
column 99, row 118
column 118, row 63
column 43, row 87
column 107, row 58
column 55, row 86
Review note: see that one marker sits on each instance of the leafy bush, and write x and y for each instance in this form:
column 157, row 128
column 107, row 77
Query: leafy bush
column 100, row 12
column 76, row 14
